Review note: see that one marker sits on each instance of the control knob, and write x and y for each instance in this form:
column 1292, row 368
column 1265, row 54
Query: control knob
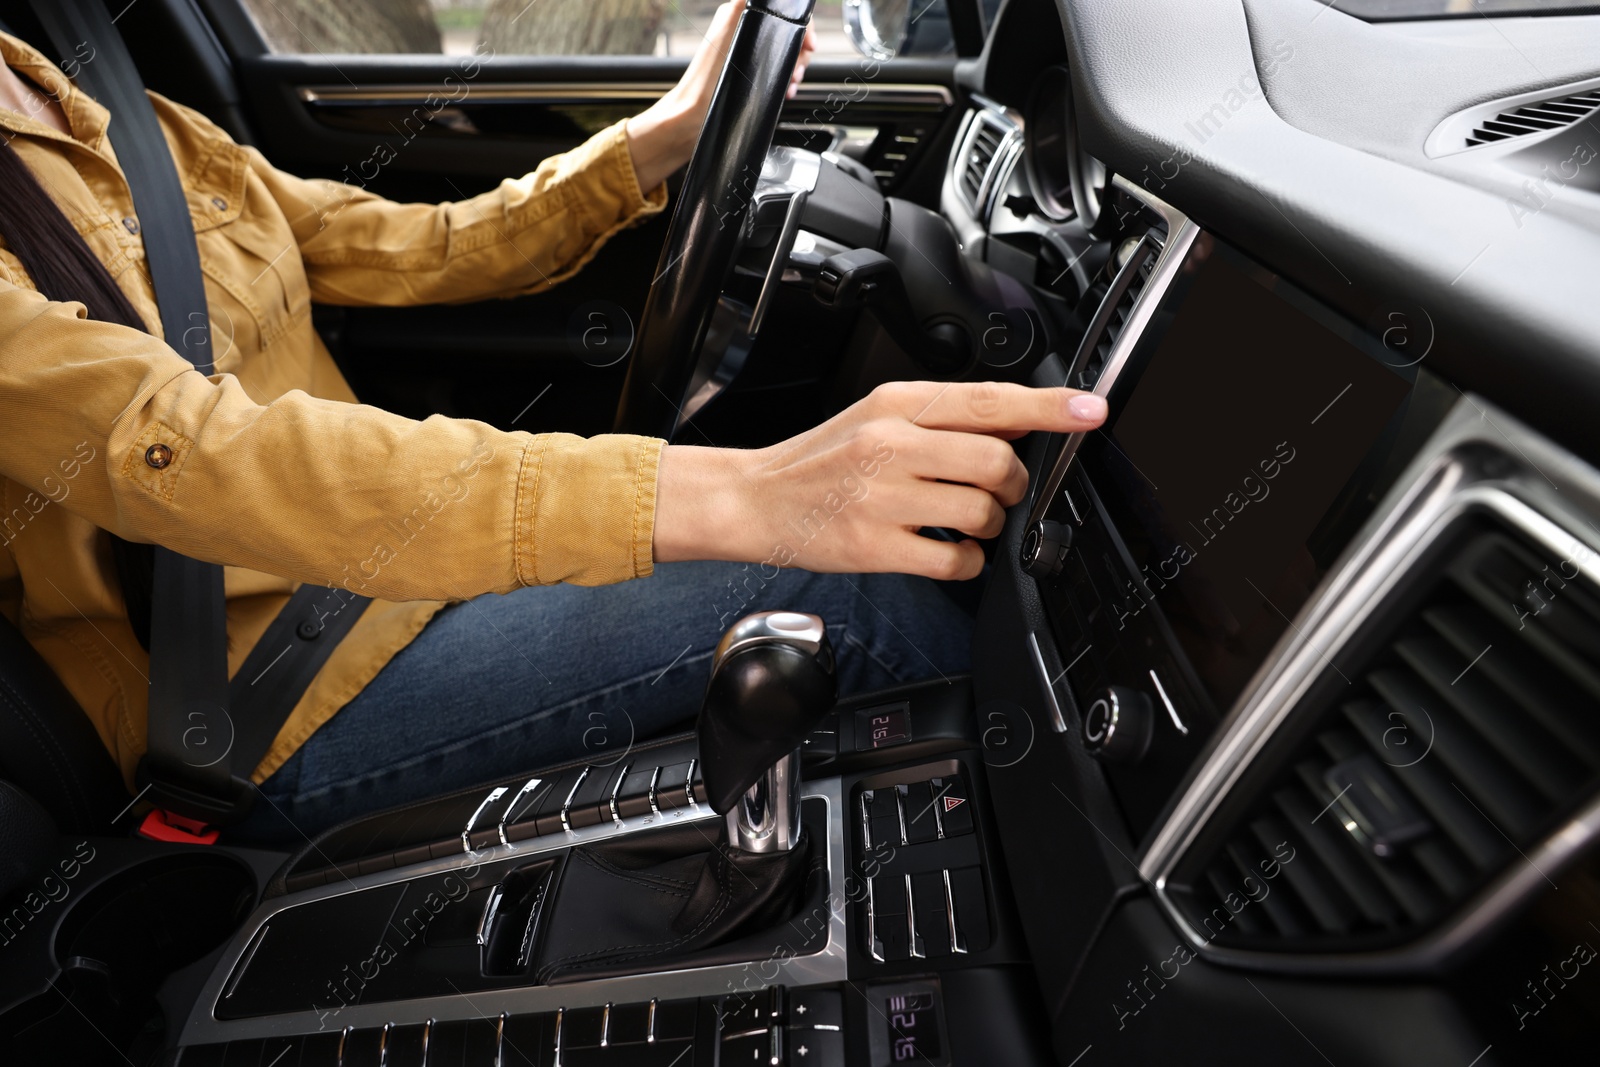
column 1118, row 725
column 1045, row 547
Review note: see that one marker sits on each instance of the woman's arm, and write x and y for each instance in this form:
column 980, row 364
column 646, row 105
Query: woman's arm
column 524, row 236
column 351, row 496
column 850, row 494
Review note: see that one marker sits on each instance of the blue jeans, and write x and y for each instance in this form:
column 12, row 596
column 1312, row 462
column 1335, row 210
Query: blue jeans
column 499, row 685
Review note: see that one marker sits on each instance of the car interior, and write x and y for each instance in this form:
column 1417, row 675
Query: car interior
column 1282, row 739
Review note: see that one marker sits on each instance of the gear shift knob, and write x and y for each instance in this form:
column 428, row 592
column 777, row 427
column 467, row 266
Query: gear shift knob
column 772, row 681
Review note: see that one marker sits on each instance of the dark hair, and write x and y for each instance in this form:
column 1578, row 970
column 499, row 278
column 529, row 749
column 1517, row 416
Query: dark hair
column 63, row 268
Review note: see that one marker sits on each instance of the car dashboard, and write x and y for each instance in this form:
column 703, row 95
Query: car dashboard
column 1281, row 743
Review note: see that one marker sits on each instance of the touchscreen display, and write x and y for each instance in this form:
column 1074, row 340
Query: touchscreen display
column 1230, row 463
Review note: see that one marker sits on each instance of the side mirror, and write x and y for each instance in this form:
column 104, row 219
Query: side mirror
column 877, row 28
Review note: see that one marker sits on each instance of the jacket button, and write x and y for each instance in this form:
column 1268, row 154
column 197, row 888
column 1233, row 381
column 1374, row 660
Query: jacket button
column 131, row 224
column 158, row 456
column 219, row 203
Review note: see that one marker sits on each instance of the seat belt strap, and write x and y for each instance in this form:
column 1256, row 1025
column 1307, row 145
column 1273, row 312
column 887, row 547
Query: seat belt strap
column 199, row 753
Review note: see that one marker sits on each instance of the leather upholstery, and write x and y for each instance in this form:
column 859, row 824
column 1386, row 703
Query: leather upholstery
column 675, row 899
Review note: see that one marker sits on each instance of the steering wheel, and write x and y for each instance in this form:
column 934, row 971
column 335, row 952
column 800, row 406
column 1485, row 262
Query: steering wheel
column 709, row 217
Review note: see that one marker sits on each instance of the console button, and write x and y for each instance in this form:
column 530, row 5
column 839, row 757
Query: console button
column 628, row 1024
column 971, row 909
column 633, row 796
column 547, row 814
column 816, row 1048
column 204, row 1055
column 952, row 805
column 762, row 1049
column 673, row 1020
column 671, row 787
column 524, row 1042
column 921, row 822
column 890, row 927
column 883, row 810
column 404, row 1047
column 591, row 797
column 745, row 1012
column 362, row 1048
column 933, row 913
column 1118, row 725
column 815, row 1007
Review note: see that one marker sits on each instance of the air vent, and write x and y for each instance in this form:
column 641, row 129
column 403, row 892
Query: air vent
column 1534, row 118
column 974, row 167
column 1472, row 732
column 1116, row 306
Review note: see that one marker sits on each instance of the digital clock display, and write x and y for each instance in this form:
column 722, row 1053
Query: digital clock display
column 883, row 727
column 913, row 1027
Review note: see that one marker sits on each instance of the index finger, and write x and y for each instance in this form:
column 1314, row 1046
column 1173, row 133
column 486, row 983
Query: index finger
column 993, row 407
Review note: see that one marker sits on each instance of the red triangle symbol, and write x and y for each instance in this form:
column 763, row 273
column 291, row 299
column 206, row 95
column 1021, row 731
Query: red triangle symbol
column 951, row 803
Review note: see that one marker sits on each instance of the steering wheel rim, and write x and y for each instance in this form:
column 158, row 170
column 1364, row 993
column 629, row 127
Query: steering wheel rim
column 703, row 237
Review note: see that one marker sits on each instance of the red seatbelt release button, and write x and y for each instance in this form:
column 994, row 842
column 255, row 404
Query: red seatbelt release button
column 162, row 825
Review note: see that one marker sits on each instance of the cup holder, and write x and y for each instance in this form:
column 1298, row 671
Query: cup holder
column 157, row 916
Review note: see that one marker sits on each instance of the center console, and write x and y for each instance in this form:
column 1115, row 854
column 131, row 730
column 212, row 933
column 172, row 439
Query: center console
column 539, row 921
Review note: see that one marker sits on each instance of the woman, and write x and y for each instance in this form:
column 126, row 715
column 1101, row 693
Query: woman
column 271, row 468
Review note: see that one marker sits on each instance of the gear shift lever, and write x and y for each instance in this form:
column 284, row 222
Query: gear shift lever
column 772, row 681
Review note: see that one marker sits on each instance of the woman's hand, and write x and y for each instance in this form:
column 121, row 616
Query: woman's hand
column 663, row 137
column 851, row 494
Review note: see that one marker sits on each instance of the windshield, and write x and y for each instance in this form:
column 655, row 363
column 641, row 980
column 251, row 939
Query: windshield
column 1385, row 10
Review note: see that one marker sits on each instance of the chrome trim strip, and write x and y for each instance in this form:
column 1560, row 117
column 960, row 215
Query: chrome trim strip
column 472, row 823
column 566, row 805
column 900, row 812
column 527, row 787
column 1481, row 460
column 899, row 94
column 655, row 779
column 616, row 790
column 874, row 946
column 1172, row 712
column 958, row 940
column 918, row 949
column 1058, row 721
column 1181, row 235
column 780, row 259
column 650, row 1023
column 825, row 966
column 244, row 962
column 485, row 921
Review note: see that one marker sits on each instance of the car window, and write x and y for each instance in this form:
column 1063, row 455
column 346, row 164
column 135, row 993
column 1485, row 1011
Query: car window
column 534, row 27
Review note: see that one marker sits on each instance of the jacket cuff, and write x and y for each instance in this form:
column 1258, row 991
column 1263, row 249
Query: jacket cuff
column 615, row 200
column 586, row 509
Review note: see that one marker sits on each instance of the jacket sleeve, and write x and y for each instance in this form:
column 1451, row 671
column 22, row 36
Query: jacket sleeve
column 525, row 235
column 312, row 490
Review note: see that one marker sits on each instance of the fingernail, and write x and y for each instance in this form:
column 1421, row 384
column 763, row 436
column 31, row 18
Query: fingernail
column 1087, row 406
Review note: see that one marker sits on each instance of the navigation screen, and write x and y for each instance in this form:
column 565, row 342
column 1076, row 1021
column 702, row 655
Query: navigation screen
column 1229, row 467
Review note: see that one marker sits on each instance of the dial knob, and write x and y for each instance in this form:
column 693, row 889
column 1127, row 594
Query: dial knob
column 1118, row 725
column 1044, row 548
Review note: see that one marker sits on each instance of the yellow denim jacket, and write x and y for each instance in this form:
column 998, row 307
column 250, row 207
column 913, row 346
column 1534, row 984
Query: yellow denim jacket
column 276, row 471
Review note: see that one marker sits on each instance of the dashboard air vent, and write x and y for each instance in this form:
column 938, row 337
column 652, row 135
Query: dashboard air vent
column 1534, row 118
column 1472, row 731
column 1116, row 306
column 982, row 146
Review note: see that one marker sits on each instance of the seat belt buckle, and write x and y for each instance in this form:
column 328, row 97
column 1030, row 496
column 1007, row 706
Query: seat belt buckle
column 162, row 825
